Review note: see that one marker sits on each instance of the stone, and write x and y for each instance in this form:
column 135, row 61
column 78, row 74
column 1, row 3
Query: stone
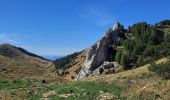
column 105, row 68
column 116, row 26
column 99, row 52
column 47, row 94
column 107, row 65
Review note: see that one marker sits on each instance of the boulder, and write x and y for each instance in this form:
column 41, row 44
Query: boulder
column 105, row 68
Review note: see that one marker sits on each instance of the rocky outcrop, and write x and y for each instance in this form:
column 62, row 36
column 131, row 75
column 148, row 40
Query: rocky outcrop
column 100, row 51
column 107, row 68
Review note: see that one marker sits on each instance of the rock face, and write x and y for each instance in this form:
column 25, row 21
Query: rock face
column 100, row 51
column 107, row 68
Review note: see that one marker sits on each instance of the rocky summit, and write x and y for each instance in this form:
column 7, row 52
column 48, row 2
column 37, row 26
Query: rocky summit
column 100, row 52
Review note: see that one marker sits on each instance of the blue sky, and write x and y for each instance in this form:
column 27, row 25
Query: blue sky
column 61, row 27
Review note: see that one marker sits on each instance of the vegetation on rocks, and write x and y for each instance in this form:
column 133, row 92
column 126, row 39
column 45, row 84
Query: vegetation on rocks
column 147, row 43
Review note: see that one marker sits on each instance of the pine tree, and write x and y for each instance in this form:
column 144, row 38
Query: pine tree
column 124, row 60
column 118, row 56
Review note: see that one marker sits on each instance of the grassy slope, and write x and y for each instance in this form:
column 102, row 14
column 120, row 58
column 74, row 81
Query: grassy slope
column 18, row 63
column 22, row 89
column 29, row 67
column 129, row 73
column 72, row 70
column 139, row 83
column 134, row 84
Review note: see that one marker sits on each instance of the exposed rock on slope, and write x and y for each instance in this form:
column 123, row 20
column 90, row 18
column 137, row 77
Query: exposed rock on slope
column 101, row 51
column 107, row 68
column 69, row 66
column 140, row 83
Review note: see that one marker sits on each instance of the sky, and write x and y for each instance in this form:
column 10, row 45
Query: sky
column 61, row 27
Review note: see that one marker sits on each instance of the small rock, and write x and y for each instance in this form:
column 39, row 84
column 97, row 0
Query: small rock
column 66, row 95
column 50, row 93
column 107, row 96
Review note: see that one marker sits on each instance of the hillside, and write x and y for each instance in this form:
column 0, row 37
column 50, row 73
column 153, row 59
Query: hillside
column 121, row 49
column 137, row 84
column 125, row 64
column 70, row 65
column 18, row 63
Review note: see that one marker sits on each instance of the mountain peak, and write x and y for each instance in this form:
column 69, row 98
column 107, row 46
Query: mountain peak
column 116, row 26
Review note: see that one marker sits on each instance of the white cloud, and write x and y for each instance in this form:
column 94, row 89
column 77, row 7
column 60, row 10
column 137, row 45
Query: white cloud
column 16, row 39
column 9, row 38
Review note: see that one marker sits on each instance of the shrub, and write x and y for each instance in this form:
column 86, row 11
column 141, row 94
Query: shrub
column 164, row 22
column 140, row 61
column 145, row 95
column 162, row 69
column 118, row 56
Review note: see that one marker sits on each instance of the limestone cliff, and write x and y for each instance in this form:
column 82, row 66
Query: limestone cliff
column 100, row 51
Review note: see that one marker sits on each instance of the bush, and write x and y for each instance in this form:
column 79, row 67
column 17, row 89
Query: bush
column 140, row 61
column 164, row 22
column 145, row 95
column 118, row 56
column 162, row 69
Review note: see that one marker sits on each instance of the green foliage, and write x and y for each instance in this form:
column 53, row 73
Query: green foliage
column 119, row 56
column 149, row 51
column 86, row 90
column 124, row 60
column 162, row 69
column 6, row 84
column 138, row 29
column 146, row 43
column 78, row 91
column 140, row 61
column 142, row 44
column 167, row 38
column 62, row 62
column 156, row 37
column 129, row 45
column 164, row 22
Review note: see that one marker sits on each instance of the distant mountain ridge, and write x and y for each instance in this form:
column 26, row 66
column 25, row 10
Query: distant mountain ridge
column 16, row 62
column 13, row 51
column 51, row 57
